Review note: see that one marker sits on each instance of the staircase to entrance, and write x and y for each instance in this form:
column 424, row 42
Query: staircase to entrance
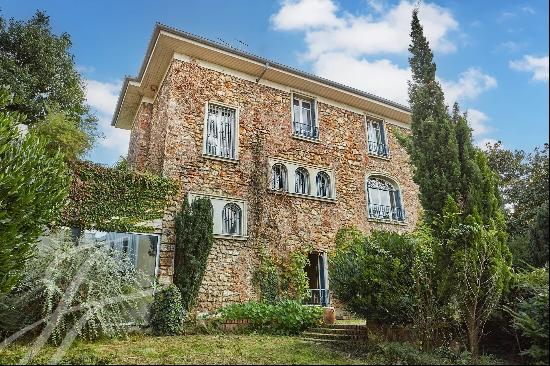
column 337, row 333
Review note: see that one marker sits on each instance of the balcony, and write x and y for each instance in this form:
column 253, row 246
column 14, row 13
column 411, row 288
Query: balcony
column 305, row 130
column 382, row 212
column 378, row 149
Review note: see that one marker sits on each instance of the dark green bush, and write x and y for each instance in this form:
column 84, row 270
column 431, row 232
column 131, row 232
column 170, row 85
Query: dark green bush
column 33, row 187
column 530, row 312
column 194, row 240
column 285, row 317
column 167, row 312
column 373, row 277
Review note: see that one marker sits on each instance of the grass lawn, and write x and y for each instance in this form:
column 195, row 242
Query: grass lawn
column 193, row 349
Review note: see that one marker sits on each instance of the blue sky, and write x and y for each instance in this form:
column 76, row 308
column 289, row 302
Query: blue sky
column 492, row 56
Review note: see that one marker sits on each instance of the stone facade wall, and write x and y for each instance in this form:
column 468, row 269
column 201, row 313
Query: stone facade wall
column 138, row 149
column 279, row 221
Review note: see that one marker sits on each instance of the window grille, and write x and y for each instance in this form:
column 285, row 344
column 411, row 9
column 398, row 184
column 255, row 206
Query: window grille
column 221, row 131
column 376, row 138
column 304, row 121
column 302, row 181
column 384, row 201
column 231, row 217
column 323, row 185
column 279, row 177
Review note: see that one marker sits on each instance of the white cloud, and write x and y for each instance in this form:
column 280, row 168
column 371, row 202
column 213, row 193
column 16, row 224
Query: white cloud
column 536, row 65
column 377, row 5
column 380, row 77
column 470, row 84
column 305, row 14
column 477, row 121
column 363, row 35
column 102, row 97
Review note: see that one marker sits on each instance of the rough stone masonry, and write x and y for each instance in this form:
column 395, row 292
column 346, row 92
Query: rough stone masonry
column 167, row 138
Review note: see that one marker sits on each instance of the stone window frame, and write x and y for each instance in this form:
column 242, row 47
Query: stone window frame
column 370, row 117
column 395, row 183
column 312, row 170
column 237, row 131
column 219, row 201
column 314, row 100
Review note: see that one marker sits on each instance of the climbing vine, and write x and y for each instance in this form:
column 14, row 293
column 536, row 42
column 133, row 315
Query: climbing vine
column 112, row 199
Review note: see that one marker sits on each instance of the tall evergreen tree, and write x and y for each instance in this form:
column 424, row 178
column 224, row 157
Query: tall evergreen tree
column 460, row 197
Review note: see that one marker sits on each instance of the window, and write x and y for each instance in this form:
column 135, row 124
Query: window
column 384, row 200
column 279, row 177
column 232, row 218
column 302, row 181
column 376, row 138
column 221, row 131
column 323, row 185
column 304, row 122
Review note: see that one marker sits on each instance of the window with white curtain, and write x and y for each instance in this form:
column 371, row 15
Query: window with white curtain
column 323, row 185
column 301, row 176
column 279, row 177
column 377, row 138
column 304, row 121
column 221, row 131
column 384, row 200
column 231, row 219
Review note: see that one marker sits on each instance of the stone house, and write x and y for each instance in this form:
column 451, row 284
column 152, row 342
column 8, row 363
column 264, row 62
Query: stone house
column 287, row 158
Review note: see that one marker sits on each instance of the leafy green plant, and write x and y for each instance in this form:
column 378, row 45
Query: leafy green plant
column 194, row 239
column 33, row 187
column 285, row 317
column 86, row 288
column 294, row 278
column 530, row 312
column 167, row 315
column 373, row 277
column 111, row 199
column 266, row 278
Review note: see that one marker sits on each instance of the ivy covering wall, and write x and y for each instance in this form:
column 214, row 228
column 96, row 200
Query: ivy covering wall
column 111, row 199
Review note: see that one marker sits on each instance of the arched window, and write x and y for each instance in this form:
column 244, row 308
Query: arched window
column 232, row 218
column 384, row 200
column 302, row 181
column 279, row 177
column 323, row 185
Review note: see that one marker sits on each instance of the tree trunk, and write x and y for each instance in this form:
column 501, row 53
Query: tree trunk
column 473, row 337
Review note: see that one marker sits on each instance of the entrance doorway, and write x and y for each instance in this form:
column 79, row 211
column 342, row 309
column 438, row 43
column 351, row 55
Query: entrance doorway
column 317, row 273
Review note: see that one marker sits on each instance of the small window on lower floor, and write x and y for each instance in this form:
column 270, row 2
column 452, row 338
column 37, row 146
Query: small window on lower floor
column 232, row 219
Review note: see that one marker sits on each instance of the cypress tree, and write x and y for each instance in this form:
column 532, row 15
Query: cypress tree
column 460, row 197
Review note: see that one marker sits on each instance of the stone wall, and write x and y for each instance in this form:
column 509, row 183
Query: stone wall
column 281, row 222
column 138, row 149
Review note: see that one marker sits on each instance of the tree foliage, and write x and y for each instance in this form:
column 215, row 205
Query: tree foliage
column 110, row 199
column 460, row 197
column 194, row 239
column 33, row 187
column 372, row 275
column 524, row 186
column 37, row 65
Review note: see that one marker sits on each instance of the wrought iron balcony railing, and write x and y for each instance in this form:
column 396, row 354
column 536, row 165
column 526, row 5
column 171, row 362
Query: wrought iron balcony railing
column 318, row 296
column 379, row 149
column 382, row 212
column 305, row 130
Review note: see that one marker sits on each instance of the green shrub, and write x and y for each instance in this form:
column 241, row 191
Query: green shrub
column 194, row 239
column 167, row 315
column 285, row 317
column 530, row 312
column 266, row 278
column 373, row 276
column 33, row 187
column 85, row 282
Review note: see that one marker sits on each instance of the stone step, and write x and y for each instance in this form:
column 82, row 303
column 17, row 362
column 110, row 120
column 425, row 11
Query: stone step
column 325, row 341
column 332, row 336
column 344, row 326
column 338, row 331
